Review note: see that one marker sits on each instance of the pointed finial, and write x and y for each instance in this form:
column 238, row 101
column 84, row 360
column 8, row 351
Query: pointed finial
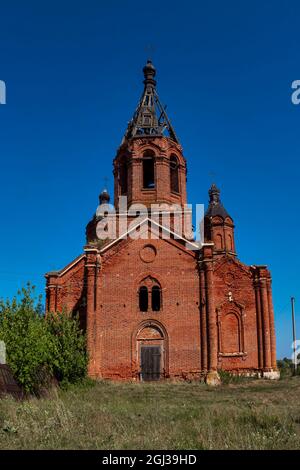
column 104, row 197
column 214, row 194
column 149, row 73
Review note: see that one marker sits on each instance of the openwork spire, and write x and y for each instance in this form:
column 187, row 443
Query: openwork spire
column 150, row 118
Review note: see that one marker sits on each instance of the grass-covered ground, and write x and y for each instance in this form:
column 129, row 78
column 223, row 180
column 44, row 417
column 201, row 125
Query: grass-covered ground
column 249, row 414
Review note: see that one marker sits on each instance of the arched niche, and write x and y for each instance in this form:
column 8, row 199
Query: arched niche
column 231, row 329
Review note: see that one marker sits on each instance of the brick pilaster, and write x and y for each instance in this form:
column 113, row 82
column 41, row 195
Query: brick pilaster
column 52, row 301
column 91, row 268
column 210, row 310
column 272, row 325
column 203, row 318
column 265, row 323
column 260, row 346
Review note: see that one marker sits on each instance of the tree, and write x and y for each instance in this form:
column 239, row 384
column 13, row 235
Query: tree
column 38, row 347
column 26, row 338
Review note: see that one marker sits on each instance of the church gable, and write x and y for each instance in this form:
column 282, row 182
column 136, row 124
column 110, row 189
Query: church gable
column 147, row 254
column 233, row 280
column 66, row 287
column 146, row 233
column 228, row 265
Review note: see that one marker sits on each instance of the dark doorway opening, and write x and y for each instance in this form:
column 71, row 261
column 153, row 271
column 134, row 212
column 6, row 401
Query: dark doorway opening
column 150, row 362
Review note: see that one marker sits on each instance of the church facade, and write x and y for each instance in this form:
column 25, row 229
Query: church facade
column 158, row 305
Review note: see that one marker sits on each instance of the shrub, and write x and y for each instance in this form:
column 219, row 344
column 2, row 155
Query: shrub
column 286, row 367
column 68, row 348
column 38, row 348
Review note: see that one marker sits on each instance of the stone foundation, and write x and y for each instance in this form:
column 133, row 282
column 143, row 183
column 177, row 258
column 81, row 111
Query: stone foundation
column 271, row 375
column 213, row 378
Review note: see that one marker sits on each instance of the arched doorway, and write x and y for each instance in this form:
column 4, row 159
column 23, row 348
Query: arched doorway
column 152, row 351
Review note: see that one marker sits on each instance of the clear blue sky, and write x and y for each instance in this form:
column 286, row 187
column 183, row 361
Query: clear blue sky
column 73, row 77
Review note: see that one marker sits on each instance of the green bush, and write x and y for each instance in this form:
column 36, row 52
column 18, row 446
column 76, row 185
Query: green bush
column 68, row 349
column 38, row 348
column 286, row 367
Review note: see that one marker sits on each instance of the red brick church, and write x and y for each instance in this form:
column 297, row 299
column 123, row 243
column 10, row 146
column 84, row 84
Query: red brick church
column 160, row 306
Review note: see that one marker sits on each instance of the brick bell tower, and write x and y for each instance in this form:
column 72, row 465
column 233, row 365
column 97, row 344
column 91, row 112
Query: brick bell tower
column 149, row 166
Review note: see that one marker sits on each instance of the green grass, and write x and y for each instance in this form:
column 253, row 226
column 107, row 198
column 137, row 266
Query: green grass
column 248, row 414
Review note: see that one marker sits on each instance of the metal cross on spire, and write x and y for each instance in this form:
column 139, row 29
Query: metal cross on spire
column 149, row 49
column 105, row 179
column 212, row 176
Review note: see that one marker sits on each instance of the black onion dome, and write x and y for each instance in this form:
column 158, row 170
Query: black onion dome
column 104, row 197
column 149, row 70
column 215, row 207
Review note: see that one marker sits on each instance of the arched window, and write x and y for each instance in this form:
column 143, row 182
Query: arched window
column 219, row 242
column 143, row 299
column 174, row 174
column 156, row 298
column 149, row 295
column 123, row 175
column 148, row 170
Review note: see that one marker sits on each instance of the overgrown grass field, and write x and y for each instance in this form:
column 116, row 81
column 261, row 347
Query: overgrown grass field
column 248, row 414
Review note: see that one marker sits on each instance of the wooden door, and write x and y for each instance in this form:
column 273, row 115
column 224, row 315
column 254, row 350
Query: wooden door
column 150, row 362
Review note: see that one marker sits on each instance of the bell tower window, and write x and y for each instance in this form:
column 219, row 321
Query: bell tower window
column 148, row 170
column 174, row 175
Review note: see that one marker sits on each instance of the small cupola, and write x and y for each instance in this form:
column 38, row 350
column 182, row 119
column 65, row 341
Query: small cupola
column 104, row 197
column 215, row 206
column 218, row 225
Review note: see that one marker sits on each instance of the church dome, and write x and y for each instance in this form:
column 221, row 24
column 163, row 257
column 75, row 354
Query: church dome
column 104, row 197
column 215, row 207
